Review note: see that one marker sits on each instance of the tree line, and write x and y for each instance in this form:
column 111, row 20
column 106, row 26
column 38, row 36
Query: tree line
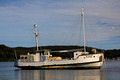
column 8, row 53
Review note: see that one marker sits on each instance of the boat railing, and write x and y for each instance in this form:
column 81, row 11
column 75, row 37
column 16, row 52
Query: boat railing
column 65, row 51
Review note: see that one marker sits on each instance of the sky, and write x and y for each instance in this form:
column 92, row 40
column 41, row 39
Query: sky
column 59, row 22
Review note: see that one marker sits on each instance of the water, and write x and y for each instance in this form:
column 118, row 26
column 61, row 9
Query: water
column 109, row 71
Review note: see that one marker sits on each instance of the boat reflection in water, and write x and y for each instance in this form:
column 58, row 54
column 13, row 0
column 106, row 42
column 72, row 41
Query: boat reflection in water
column 60, row 74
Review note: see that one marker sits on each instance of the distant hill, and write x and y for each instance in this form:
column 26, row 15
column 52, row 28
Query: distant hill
column 8, row 53
column 112, row 54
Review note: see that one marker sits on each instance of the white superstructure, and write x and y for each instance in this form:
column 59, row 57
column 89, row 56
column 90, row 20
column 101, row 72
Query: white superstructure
column 44, row 60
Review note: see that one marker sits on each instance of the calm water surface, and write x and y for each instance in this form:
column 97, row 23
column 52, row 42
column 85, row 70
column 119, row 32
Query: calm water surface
column 109, row 71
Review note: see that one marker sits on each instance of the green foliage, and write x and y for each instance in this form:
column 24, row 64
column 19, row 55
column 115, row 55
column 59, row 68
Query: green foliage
column 8, row 54
column 115, row 53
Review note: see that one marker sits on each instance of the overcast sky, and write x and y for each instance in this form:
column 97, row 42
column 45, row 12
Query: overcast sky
column 59, row 22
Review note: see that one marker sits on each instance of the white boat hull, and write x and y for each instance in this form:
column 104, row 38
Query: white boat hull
column 84, row 61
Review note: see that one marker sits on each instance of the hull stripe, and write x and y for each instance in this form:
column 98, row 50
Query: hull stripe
column 72, row 66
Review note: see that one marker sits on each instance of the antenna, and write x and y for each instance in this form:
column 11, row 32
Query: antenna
column 36, row 35
column 83, row 28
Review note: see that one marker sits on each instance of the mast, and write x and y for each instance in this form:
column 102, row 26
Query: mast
column 83, row 28
column 36, row 36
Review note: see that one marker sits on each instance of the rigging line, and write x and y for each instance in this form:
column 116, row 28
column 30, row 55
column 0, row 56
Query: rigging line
column 33, row 40
column 67, row 38
column 80, row 32
column 76, row 30
column 93, row 35
column 86, row 30
column 69, row 34
column 73, row 31
column 79, row 36
column 72, row 37
column 39, row 41
column 88, row 35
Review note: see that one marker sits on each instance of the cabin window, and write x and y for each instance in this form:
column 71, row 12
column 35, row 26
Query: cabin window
column 25, row 57
column 76, row 54
column 31, row 58
column 22, row 57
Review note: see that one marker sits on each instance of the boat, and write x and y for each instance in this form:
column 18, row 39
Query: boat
column 43, row 59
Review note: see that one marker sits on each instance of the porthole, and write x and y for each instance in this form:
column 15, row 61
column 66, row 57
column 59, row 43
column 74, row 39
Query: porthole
column 25, row 57
column 22, row 57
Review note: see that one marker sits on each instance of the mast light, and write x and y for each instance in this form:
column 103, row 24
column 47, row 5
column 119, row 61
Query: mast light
column 35, row 25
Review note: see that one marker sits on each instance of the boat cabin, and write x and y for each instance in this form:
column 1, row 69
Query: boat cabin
column 28, row 57
column 46, row 56
column 79, row 53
